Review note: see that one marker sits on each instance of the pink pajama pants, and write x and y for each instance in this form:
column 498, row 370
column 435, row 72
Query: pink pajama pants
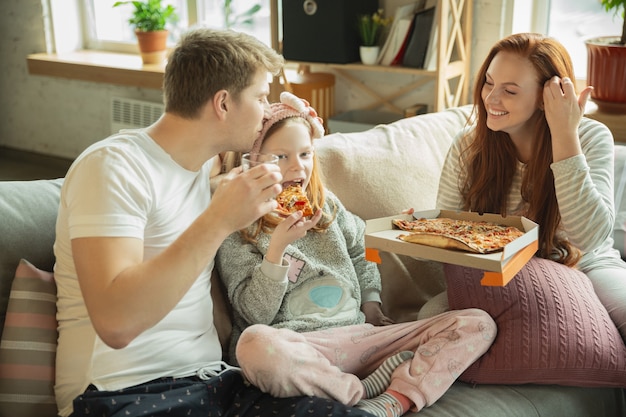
column 330, row 363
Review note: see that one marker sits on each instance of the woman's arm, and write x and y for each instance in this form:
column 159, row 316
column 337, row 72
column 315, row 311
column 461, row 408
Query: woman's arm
column 584, row 188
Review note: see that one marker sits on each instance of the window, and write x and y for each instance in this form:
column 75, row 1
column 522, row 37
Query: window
column 573, row 21
column 108, row 28
column 102, row 26
column 569, row 21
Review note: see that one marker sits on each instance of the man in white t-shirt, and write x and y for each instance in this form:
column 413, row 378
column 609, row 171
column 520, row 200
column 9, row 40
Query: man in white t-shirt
column 137, row 232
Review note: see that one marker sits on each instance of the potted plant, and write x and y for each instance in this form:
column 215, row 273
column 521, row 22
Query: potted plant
column 149, row 19
column 370, row 29
column 606, row 67
column 232, row 19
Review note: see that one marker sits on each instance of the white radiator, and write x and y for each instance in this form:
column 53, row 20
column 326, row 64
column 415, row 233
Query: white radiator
column 127, row 113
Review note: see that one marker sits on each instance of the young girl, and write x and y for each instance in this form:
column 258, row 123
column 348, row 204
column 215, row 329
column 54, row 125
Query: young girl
column 532, row 153
column 302, row 293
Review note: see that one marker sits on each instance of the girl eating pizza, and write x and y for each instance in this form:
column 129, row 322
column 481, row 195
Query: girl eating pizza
column 307, row 309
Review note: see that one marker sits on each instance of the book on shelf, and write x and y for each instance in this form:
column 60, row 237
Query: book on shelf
column 420, row 38
column 430, row 62
column 397, row 60
column 400, row 28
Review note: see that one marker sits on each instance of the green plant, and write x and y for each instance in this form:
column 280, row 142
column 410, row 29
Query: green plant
column 618, row 7
column 231, row 19
column 150, row 15
column 371, row 27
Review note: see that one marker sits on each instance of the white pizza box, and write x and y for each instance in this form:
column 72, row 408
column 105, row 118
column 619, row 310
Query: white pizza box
column 500, row 267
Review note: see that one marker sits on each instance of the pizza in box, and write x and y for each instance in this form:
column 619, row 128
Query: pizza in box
column 465, row 235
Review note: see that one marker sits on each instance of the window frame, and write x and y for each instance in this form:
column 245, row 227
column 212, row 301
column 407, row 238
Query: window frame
column 71, row 25
column 92, row 42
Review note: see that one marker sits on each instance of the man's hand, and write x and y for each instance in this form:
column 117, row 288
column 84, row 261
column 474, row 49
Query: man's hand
column 243, row 197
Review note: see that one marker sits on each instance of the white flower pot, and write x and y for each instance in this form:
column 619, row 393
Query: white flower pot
column 369, row 54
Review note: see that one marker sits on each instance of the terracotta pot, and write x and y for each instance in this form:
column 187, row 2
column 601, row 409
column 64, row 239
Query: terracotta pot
column 152, row 45
column 606, row 72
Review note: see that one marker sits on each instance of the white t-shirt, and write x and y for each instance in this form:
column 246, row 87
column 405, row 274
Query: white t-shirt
column 128, row 186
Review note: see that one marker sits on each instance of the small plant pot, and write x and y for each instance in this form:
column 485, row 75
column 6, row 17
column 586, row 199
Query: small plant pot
column 606, row 72
column 152, row 45
column 369, row 54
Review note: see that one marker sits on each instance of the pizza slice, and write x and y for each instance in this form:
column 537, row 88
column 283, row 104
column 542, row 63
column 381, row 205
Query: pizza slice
column 292, row 199
column 465, row 235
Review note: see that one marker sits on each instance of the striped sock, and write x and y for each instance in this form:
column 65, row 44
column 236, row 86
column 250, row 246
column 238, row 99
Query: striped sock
column 385, row 405
column 377, row 382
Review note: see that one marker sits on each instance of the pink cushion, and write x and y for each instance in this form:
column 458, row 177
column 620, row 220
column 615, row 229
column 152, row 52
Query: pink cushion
column 552, row 329
column 28, row 347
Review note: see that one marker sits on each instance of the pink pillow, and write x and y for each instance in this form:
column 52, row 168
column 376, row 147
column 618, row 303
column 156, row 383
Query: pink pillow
column 28, row 347
column 552, row 329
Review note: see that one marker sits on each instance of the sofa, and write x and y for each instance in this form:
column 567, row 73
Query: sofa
column 375, row 173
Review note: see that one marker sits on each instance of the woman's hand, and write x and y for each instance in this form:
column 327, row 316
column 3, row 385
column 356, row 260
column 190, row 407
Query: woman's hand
column 564, row 110
column 292, row 228
column 374, row 314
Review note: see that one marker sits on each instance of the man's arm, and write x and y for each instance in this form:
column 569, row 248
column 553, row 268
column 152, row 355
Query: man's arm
column 126, row 295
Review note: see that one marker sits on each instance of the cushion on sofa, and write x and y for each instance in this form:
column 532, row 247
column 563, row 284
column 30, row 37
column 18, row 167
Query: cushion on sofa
column 383, row 170
column 28, row 210
column 552, row 329
column 28, row 346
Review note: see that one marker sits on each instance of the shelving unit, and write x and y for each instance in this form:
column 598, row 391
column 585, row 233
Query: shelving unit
column 451, row 75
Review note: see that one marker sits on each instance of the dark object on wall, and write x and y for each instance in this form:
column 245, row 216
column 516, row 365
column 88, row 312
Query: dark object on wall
column 323, row 30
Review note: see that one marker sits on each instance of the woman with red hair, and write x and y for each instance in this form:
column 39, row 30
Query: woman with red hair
column 531, row 152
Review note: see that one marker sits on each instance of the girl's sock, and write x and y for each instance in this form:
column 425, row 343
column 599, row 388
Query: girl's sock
column 388, row 404
column 378, row 381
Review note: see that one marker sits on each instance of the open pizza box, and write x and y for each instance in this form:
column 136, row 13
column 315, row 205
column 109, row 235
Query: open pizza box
column 500, row 267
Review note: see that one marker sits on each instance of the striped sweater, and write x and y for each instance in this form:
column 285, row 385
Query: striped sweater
column 584, row 191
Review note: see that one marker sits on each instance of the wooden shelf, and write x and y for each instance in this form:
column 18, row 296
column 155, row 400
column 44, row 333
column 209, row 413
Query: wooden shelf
column 357, row 66
column 95, row 66
column 451, row 75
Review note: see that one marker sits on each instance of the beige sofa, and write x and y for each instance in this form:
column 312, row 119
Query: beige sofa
column 375, row 173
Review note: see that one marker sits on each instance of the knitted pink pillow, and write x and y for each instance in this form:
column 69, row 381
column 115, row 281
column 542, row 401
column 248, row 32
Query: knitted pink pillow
column 552, row 329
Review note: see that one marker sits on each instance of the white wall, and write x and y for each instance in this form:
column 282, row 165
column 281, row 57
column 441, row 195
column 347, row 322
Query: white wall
column 61, row 117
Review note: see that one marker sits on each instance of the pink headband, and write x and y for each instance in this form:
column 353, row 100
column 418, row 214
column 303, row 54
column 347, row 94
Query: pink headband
column 290, row 106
